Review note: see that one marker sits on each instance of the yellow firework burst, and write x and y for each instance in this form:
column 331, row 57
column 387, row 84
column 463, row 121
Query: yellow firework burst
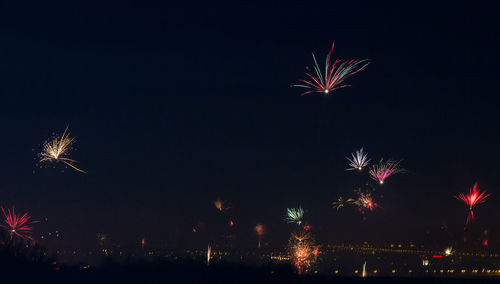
column 56, row 150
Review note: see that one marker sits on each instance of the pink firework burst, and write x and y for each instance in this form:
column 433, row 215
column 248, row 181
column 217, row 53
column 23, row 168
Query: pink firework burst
column 334, row 75
column 471, row 199
column 18, row 225
column 383, row 170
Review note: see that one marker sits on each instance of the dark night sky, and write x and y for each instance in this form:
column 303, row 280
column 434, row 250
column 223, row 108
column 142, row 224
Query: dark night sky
column 176, row 105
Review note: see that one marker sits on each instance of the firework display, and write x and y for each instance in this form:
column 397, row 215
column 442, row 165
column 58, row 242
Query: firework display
column 294, row 215
column 18, row 225
column 471, row 199
column 334, row 75
column 302, row 249
column 56, row 150
column 358, row 160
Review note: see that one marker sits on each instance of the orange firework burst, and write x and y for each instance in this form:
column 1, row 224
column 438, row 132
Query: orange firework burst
column 302, row 250
column 56, row 150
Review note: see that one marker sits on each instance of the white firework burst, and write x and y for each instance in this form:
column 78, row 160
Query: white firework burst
column 358, row 160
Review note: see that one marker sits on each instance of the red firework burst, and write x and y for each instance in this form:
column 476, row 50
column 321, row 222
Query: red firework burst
column 383, row 170
column 471, row 199
column 18, row 225
column 334, row 75
column 365, row 201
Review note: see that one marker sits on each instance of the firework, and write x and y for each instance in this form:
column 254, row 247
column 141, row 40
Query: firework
column 57, row 149
column 383, row 170
column 302, row 250
column 365, row 201
column 294, row 215
column 315, row 251
column 301, row 236
column 222, row 205
column 18, row 225
column 474, row 197
column 301, row 255
column 448, row 251
column 334, row 76
column 209, row 250
column 358, row 160
column 341, row 202
column 259, row 230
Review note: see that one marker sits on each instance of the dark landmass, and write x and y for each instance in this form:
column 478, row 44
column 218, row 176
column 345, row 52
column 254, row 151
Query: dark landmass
column 189, row 272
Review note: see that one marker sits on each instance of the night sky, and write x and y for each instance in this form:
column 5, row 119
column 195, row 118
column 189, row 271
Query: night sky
column 176, row 105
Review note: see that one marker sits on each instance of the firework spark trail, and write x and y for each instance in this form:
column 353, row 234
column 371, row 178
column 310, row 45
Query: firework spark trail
column 341, row 202
column 294, row 215
column 209, row 250
column 383, row 170
column 18, row 225
column 334, row 74
column 358, row 160
column 56, row 149
column 471, row 199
